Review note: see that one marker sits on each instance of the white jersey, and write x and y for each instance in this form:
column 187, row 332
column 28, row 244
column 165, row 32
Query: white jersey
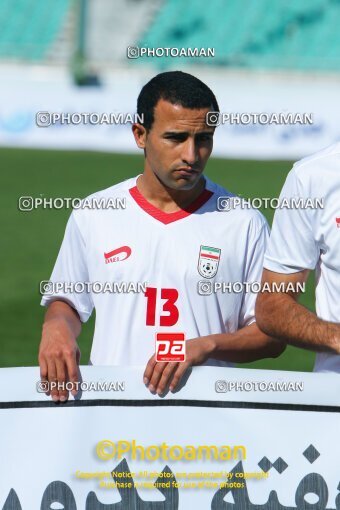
column 309, row 238
column 177, row 258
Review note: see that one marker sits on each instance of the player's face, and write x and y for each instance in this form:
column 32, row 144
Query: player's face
column 178, row 145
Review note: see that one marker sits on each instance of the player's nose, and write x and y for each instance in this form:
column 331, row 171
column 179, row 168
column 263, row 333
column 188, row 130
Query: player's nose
column 189, row 154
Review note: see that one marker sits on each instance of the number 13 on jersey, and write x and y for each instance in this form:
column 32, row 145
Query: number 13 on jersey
column 167, row 299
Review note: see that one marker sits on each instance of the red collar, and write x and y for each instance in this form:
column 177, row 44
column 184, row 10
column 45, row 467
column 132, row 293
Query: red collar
column 164, row 217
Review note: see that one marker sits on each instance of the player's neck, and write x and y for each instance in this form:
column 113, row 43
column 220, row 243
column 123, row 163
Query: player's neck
column 167, row 199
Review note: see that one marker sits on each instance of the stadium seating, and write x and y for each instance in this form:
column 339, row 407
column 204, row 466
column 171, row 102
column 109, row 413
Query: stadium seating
column 301, row 34
column 29, row 28
column 45, row 31
column 113, row 25
column 256, row 34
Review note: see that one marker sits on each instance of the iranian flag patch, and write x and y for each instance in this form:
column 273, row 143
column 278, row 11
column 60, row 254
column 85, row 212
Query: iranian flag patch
column 208, row 261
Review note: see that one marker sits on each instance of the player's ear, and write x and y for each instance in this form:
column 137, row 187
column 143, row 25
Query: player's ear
column 139, row 132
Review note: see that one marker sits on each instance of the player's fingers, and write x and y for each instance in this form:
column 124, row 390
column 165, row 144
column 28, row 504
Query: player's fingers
column 156, row 375
column 149, row 369
column 43, row 376
column 72, row 364
column 166, row 377
column 78, row 355
column 52, row 380
column 61, row 378
column 181, row 369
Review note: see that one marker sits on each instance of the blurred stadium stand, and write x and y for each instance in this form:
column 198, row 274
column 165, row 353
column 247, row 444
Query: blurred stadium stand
column 261, row 34
column 36, row 31
column 113, row 25
column 48, row 31
column 299, row 34
column 303, row 34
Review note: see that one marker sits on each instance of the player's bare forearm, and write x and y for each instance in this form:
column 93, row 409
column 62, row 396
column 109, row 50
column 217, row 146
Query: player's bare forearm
column 59, row 354
column 61, row 311
column 245, row 345
column 280, row 315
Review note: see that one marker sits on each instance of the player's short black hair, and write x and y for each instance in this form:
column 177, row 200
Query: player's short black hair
column 177, row 88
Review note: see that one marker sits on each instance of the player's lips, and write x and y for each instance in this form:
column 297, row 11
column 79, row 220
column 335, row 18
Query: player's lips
column 186, row 171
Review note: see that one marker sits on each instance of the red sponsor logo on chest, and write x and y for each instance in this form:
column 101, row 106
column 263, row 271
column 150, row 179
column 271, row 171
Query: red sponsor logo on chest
column 117, row 255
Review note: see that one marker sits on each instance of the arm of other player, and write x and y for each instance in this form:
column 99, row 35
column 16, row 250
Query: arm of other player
column 245, row 345
column 59, row 354
column 303, row 329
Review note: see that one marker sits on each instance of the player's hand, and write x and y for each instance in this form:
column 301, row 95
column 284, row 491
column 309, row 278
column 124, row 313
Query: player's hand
column 59, row 357
column 158, row 376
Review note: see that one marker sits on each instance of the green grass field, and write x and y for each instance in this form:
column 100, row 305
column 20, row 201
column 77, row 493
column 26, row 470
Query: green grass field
column 31, row 240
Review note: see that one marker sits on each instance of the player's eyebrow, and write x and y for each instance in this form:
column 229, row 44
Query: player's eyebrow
column 182, row 134
column 175, row 133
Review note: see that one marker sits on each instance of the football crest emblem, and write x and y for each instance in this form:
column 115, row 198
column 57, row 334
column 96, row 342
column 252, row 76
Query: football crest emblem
column 208, row 261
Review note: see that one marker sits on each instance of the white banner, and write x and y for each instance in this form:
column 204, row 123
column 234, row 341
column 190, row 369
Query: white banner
column 229, row 439
column 30, row 96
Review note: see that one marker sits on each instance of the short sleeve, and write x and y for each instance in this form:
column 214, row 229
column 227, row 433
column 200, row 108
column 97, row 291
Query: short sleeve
column 256, row 247
column 70, row 267
column 292, row 246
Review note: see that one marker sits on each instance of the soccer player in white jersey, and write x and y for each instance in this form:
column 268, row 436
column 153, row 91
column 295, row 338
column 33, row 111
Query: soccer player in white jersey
column 304, row 239
column 170, row 235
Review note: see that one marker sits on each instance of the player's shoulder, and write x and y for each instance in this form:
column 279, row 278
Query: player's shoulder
column 238, row 208
column 115, row 191
column 310, row 168
column 104, row 198
column 90, row 209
